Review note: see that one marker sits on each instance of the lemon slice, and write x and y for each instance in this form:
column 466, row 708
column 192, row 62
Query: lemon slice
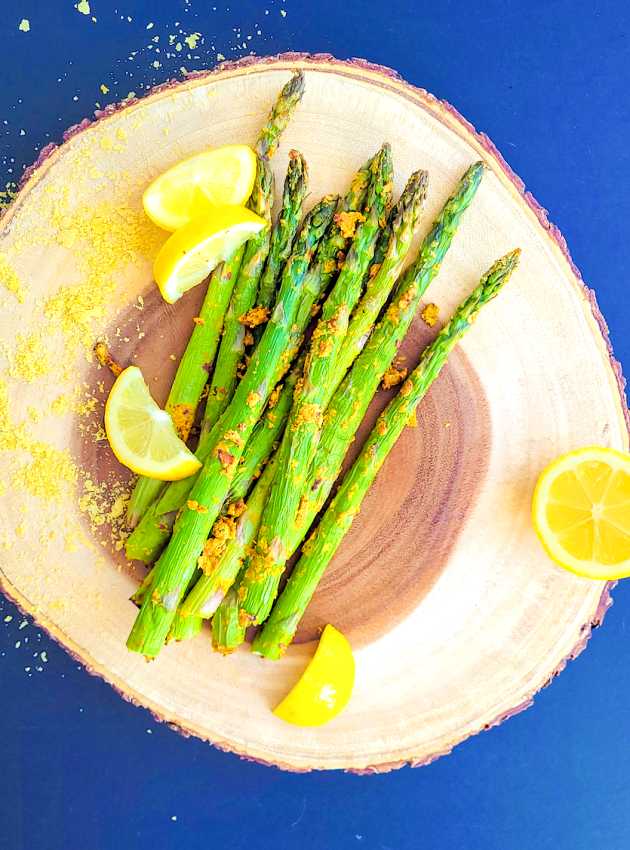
column 187, row 190
column 141, row 434
column 325, row 686
column 581, row 512
column 189, row 255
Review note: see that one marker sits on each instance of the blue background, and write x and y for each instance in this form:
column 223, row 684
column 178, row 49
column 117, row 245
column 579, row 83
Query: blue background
column 83, row 770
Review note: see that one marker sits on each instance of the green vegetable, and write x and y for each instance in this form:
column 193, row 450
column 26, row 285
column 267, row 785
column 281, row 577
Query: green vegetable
column 354, row 394
column 227, row 630
column 400, row 234
column 192, row 372
column 225, row 447
column 280, row 116
column 284, row 230
column 218, row 577
column 336, row 521
column 196, row 363
column 147, row 540
column 257, row 451
column 305, row 423
column 232, row 345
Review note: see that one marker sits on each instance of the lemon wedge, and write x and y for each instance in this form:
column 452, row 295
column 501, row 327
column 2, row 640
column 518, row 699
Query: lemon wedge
column 187, row 190
column 581, row 512
column 141, row 434
column 325, row 687
column 191, row 253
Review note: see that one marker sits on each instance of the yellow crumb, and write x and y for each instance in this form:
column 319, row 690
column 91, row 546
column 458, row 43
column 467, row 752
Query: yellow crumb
column 430, row 314
column 406, row 389
column 9, row 278
column 253, row 399
column 193, row 505
column 31, row 360
column 254, row 317
column 234, row 437
column 192, row 39
column 393, row 376
column 104, row 88
column 183, row 416
column 48, row 473
column 347, row 223
column 24, row 25
column 83, row 6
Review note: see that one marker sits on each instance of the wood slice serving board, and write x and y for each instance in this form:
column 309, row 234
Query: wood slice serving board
column 455, row 612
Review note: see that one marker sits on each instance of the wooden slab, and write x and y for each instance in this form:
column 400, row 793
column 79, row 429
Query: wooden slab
column 457, row 616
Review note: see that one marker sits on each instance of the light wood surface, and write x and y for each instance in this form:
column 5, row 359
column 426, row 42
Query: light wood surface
column 456, row 614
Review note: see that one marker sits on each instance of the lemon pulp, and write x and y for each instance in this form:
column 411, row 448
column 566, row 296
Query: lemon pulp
column 581, row 512
column 141, row 434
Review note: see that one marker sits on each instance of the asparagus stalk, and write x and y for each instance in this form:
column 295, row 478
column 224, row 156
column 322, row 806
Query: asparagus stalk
column 336, row 521
column 227, row 630
column 196, row 363
column 391, row 254
column 284, row 230
column 352, row 398
column 177, row 563
column 232, row 345
column 147, row 539
column 280, row 115
column 192, row 372
column 218, row 569
column 257, row 451
column 219, row 575
column 302, row 435
column 184, row 629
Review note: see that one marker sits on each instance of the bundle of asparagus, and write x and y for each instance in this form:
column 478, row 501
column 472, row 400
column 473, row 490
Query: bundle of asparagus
column 272, row 446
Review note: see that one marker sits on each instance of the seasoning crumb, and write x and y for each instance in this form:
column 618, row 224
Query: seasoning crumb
column 254, row 317
column 83, row 6
column 430, row 314
column 24, row 25
column 393, row 376
column 347, row 223
column 9, row 278
column 192, row 40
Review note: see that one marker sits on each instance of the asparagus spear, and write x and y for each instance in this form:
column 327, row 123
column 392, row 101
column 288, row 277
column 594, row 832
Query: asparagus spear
column 336, row 521
column 193, row 369
column 147, row 539
column 187, row 622
column 244, row 294
column 227, row 631
column 302, row 434
column 284, row 230
column 352, row 398
column 280, row 116
column 219, row 575
column 218, row 569
column 192, row 372
column 177, row 563
column 398, row 235
column 257, row 451
column 184, row 629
